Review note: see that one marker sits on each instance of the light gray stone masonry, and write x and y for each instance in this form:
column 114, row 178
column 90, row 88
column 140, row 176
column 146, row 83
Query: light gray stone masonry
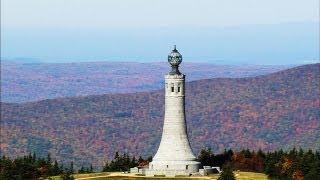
column 174, row 155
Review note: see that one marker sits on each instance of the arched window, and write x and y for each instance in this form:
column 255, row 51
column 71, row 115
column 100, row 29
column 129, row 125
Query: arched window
column 172, row 87
column 187, row 166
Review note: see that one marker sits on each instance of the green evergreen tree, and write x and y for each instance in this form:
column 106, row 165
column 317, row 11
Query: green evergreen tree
column 91, row 169
column 312, row 174
column 55, row 169
column 227, row 173
column 61, row 169
column 261, row 154
column 81, row 170
column 140, row 159
column 247, row 153
column 106, row 167
column 49, row 160
column 133, row 162
column 71, row 169
column 206, row 157
column 117, row 156
column 34, row 157
column 67, row 176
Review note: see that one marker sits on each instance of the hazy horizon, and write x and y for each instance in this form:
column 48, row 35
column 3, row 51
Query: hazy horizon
column 228, row 32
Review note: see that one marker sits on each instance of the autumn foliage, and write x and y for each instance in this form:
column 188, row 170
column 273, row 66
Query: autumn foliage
column 270, row 112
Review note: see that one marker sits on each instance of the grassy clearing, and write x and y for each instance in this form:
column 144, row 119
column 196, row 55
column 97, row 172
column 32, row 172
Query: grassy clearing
column 139, row 178
column 250, row 176
column 76, row 176
column 120, row 176
column 55, row 178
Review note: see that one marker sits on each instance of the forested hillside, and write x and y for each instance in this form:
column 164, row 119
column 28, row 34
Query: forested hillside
column 279, row 110
column 25, row 82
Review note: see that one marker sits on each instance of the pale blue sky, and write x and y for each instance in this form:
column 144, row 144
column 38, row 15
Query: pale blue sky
column 230, row 31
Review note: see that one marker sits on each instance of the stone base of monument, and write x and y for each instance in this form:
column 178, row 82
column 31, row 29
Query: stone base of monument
column 209, row 170
column 172, row 168
column 175, row 168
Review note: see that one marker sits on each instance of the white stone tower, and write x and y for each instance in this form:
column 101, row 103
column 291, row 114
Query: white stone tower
column 174, row 156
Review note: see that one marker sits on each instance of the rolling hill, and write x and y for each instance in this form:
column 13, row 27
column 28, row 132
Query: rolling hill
column 25, row 82
column 279, row 110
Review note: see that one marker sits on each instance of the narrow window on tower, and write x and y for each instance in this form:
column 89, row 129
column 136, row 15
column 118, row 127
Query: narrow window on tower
column 172, row 89
column 167, row 166
column 179, row 89
column 187, row 166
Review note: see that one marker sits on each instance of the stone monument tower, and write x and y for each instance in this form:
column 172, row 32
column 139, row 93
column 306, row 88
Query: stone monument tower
column 174, row 156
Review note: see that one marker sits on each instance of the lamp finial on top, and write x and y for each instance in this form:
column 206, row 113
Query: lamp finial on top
column 175, row 58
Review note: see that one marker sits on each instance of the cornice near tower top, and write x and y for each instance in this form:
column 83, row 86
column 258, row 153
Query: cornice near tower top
column 174, row 76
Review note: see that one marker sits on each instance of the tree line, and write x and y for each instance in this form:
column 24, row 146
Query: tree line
column 33, row 167
column 124, row 162
column 294, row 164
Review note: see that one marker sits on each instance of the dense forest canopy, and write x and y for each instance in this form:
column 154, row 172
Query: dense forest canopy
column 270, row 112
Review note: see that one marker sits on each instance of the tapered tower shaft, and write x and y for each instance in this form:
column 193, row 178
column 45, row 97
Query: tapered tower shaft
column 174, row 155
column 174, row 145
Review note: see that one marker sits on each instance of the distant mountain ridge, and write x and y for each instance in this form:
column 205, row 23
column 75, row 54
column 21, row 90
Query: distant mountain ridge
column 279, row 110
column 25, row 82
